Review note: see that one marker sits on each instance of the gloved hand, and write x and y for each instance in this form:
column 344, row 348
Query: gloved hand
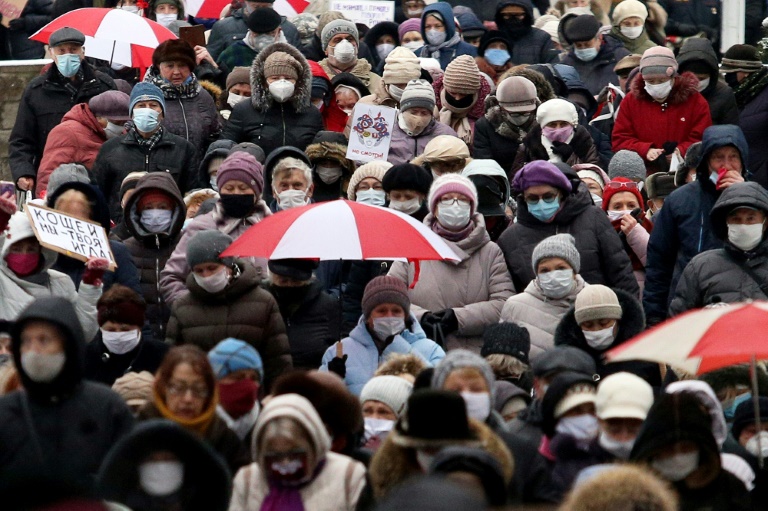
column 449, row 323
column 17, row 24
column 563, row 150
column 339, row 366
column 669, row 146
column 94, row 271
column 429, row 323
column 7, row 208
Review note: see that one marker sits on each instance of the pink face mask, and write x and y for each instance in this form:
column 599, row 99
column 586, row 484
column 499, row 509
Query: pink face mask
column 558, row 134
column 23, row 264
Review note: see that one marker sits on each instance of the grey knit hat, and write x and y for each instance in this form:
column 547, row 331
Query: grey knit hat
column 418, row 93
column 596, row 302
column 341, row 26
column 559, row 245
column 461, row 359
column 66, row 173
column 627, row 164
column 393, row 391
column 206, row 246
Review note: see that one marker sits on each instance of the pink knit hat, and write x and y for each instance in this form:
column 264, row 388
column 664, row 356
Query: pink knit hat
column 409, row 25
column 658, row 61
column 242, row 167
column 450, row 183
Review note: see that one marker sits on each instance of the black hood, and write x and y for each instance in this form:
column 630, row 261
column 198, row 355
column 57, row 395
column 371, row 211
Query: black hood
column 207, row 482
column 525, row 4
column 700, row 50
column 100, row 209
column 154, row 181
column 217, row 149
column 373, row 35
column 715, row 137
column 61, row 313
column 739, row 194
column 274, row 157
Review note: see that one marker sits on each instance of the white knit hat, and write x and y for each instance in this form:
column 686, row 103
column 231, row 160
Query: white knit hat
column 401, row 66
column 374, row 169
column 623, row 396
column 557, row 110
column 596, row 302
column 393, row 391
column 629, row 9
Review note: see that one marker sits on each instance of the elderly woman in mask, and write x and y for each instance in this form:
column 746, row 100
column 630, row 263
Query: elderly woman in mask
column 441, row 39
column 366, row 184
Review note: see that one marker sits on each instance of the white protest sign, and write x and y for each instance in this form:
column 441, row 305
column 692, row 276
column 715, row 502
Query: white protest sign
column 367, row 12
column 371, row 132
column 79, row 239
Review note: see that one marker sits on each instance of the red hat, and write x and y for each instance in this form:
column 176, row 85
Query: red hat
column 621, row 184
column 154, row 195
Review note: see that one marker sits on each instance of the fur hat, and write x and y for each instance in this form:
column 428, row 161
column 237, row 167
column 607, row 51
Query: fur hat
column 418, row 93
column 658, row 61
column 145, row 91
column 393, row 391
column 434, row 418
column 407, row 176
column 449, row 183
column 629, row 9
column 242, row 167
column 121, row 309
column 385, row 289
column 558, row 245
column 232, row 355
column 623, row 396
column 596, row 302
column 174, row 50
column 401, row 66
column 462, row 359
column 338, row 26
column 557, row 110
column 375, row 169
column 206, row 247
column 626, row 163
column 280, row 63
column 462, row 76
column 660, row 185
column 506, row 338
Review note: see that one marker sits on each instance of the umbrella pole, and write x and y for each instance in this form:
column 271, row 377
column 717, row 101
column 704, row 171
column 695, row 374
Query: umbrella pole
column 756, row 405
column 341, row 297
column 111, row 57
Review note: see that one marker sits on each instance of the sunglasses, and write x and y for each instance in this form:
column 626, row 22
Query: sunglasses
column 619, row 185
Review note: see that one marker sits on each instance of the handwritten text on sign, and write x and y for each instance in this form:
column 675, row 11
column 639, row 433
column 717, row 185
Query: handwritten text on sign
column 369, row 12
column 70, row 236
column 371, row 132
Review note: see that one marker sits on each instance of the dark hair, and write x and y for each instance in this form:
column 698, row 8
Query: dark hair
column 121, row 304
column 186, row 354
column 118, row 294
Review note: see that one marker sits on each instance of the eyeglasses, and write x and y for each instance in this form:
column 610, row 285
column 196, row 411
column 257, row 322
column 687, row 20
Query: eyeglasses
column 445, row 201
column 180, row 389
column 618, row 185
column 549, row 198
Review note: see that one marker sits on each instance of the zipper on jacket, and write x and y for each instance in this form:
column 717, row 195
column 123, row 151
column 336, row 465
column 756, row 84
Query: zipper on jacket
column 184, row 116
column 161, row 325
column 146, row 162
column 282, row 114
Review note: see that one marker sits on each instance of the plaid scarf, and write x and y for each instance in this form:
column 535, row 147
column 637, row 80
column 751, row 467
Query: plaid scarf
column 750, row 87
column 184, row 91
column 148, row 144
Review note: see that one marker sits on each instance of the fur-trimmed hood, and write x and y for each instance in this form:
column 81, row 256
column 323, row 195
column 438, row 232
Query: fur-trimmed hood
column 333, row 151
column 393, row 464
column 261, row 99
column 684, row 87
column 213, row 89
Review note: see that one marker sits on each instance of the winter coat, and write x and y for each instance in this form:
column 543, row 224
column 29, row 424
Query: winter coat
column 634, row 46
column 62, row 430
column 753, row 121
column 533, row 46
column 632, row 322
column 207, row 482
column 719, row 276
column 603, row 260
column 122, row 155
column 461, row 120
column 682, row 229
column 448, row 53
column 150, row 252
column 36, row 14
column 174, row 275
column 105, row 367
column 270, row 124
column 362, row 71
column 17, row 293
column 490, row 144
column 44, row 103
column 598, row 73
column 571, row 459
column 539, row 314
column 236, row 54
column 722, row 102
column 403, row 148
column 534, row 147
column 76, row 140
column 379, row 96
column 475, row 287
column 643, row 123
column 364, row 356
column 686, row 18
column 233, row 28
column 312, row 324
column 483, row 10
column 241, row 310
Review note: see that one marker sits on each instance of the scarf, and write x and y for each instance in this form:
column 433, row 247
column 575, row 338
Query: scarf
column 199, row 424
column 750, row 87
column 498, row 118
column 444, row 233
column 287, row 498
column 189, row 89
column 147, row 143
column 434, row 51
column 457, row 119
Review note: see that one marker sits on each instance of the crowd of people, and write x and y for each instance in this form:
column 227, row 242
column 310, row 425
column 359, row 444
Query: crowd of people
column 596, row 167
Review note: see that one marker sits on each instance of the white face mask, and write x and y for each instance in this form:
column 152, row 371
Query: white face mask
column 677, row 467
column 660, row 91
column 161, row 478
column 556, row 284
column 345, row 52
column 478, row 405
column 214, row 184
column 408, row 207
column 388, row 327
column 281, row 90
column 156, row 220
column 414, row 45
column 378, row 428
column 436, row 37
column 328, row 175
column 395, row 91
column 292, row 199
column 578, row 10
column 133, row 9
column 233, row 99
column 703, row 84
column 42, row 368
column 614, row 214
column 120, row 343
column 745, row 236
column 372, row 197
column 621, row 450
column 213, row 283
column 753, row 448
column 382, row 50
column 597, row 199
column 580, row 427
column 454, row 216
column 113, row 130
column 600, row 339
column 166, row 19
column 631, row 32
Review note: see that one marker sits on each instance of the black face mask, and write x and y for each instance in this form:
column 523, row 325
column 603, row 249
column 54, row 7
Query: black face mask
column 515, row 26
column 237, row 206
column 731, row 80
column 286, row 294
column 464, row 102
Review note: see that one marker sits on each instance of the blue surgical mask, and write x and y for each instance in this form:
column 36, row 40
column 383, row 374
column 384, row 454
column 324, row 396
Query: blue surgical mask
column 586, row 54
column 146, row 119
column 544, row 211
column 68, row 64
column 714, row 177
column 497, row 57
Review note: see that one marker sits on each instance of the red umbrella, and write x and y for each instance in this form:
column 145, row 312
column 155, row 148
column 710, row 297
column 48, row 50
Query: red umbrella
column 113, row 35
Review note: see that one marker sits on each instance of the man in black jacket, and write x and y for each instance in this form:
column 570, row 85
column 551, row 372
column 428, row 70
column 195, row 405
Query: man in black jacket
column 69, row 81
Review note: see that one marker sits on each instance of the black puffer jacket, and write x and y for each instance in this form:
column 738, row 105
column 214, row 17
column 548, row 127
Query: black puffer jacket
column 105, row 367
column 584, row 150
column 722, row 102
column 122, row 155
column 43, row 103
column 496, row 138
column 62, row 430
column 719, row 275
column 529, row 45
column 151, row 251
column 34, row 17
column 270, row 124
column 603, row 260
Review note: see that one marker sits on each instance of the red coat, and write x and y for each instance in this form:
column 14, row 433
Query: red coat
column 643, row 123
column 77, row 139
column 334, row 117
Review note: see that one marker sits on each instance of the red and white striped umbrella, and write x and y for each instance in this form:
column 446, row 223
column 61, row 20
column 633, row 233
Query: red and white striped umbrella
column 703, row 340
column 341, row 229
column 113, row 35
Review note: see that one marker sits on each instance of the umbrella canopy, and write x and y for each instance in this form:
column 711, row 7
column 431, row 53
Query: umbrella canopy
column 341, row 229
column 114, row 35
column 703, row 340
